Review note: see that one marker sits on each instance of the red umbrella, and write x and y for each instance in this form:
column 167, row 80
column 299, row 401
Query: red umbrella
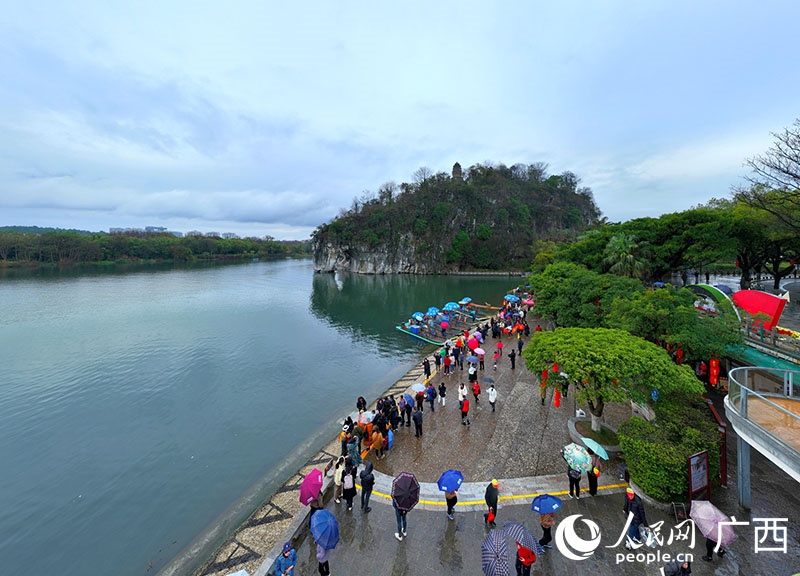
column 472, row 344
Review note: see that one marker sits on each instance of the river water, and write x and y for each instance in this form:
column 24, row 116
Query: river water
column 136, row 408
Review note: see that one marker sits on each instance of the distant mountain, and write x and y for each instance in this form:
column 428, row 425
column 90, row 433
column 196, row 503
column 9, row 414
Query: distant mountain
column 484, row 219
column 40, row 230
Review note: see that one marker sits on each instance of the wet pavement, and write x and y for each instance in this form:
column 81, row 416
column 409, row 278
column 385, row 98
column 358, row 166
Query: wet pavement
column 518, row 444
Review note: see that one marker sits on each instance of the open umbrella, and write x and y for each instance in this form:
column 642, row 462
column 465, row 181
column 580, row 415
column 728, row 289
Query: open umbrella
column 418, row 316
column 418, row 387
column 409, row 399
column 310, row 487
column 472, row 359
column 366, row 417
column 520, row 534
column 487, row 379
column 445, row 325
column 465, row 300
column 432, row 311
column 494, row 554
column 325, row 529
column 511, row 298
column 596, row 447
column 577, row 457
column 479, row 337
column 528, row 302
column 451, row 306
column 450, row 480
column 707, row 517
column 479, row 351
column 546, row 503
column 405, row 491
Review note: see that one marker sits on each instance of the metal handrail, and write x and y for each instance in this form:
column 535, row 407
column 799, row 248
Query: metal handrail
column 736, row 388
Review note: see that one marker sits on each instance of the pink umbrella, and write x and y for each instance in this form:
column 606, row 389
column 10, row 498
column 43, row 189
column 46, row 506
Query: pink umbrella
column 310, row 487
column 479, row 351
column 707, row 518
column 445, row 325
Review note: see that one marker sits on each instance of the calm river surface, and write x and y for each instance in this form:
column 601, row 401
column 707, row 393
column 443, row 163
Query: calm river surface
column 136, row 408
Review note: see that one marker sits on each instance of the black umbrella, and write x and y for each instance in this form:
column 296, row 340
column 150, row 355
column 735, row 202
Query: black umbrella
column 405, row 491
column 520, row 534
column 494, row 554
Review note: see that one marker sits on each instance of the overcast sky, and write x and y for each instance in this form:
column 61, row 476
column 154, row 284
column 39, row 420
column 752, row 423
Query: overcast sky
column 266, row 118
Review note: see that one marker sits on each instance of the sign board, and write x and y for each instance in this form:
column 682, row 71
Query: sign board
column 698, row 474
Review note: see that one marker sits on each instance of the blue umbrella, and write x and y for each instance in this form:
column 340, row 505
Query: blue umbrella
column 511, row 298
column 487, row 379
column 546, row 503
column 409, row 399
column 450, row 306
column 390, row 439
column 450, row 480
column 465, row 300
column 473, row 359
column 325, row 529
column 418, row 316
column 432, row 311
column 494, row 554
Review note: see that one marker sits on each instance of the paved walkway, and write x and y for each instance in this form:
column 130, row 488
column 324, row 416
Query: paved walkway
column 518, row 444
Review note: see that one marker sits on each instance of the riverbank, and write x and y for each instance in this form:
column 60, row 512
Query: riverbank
column 520, row 440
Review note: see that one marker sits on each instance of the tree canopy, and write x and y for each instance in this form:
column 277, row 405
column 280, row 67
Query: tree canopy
column 608, row 365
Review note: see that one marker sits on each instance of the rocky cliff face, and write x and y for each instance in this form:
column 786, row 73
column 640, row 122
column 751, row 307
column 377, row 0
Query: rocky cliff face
column 382, row 259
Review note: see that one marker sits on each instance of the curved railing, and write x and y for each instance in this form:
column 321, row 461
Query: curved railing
column 763, row 405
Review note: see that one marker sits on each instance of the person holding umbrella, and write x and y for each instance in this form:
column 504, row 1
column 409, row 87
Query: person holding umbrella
column 547, row 521
column 405, row 495
column 491, row 496
column 325, row 531
column 449, row 483
column 525, row 559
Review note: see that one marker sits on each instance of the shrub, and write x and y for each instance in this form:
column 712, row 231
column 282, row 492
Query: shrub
column 656, row 452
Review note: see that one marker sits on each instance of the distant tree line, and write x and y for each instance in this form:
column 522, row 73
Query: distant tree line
column 64, row 247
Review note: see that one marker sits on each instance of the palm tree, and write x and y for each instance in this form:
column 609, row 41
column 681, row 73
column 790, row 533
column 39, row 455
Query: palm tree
column 624, row 256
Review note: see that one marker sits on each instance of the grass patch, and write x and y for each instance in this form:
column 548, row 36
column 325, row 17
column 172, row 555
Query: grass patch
column 605, row 437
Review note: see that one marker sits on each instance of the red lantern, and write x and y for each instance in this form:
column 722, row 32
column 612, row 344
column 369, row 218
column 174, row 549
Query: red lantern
column 544, row 377
column 555, row 367
column 713, row 371
column 557, row 398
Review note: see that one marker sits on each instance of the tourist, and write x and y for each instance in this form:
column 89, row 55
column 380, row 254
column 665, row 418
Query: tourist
column 322, row 560
column 462, row 393
column 430, row 395
column 465, row 412
column 525, row 559
column 447, row 360
column 408, row 410
column 338, row 472
column 367, row 484
column 416, row 416
column 442, row 393
column 452, row 499
column 593, row 472
column 476, row 391
column 361, row 404
column 491, row 496
column 543, row 392
column 377, row 442
column 574, row 482
column 512, row 356
column 284, row 564
column 676, row 568
column 710, row 545
column 419, row 398
column 426, row 366
column 497, row 355
column 547, row 521
column 437, row 361
column 481, row 358
column 492, row 392
column 634, row 509
column 349, row 483
column 400, row 516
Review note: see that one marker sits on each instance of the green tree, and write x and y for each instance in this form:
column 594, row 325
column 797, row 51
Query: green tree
column 607, row 365
column 624, row 256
